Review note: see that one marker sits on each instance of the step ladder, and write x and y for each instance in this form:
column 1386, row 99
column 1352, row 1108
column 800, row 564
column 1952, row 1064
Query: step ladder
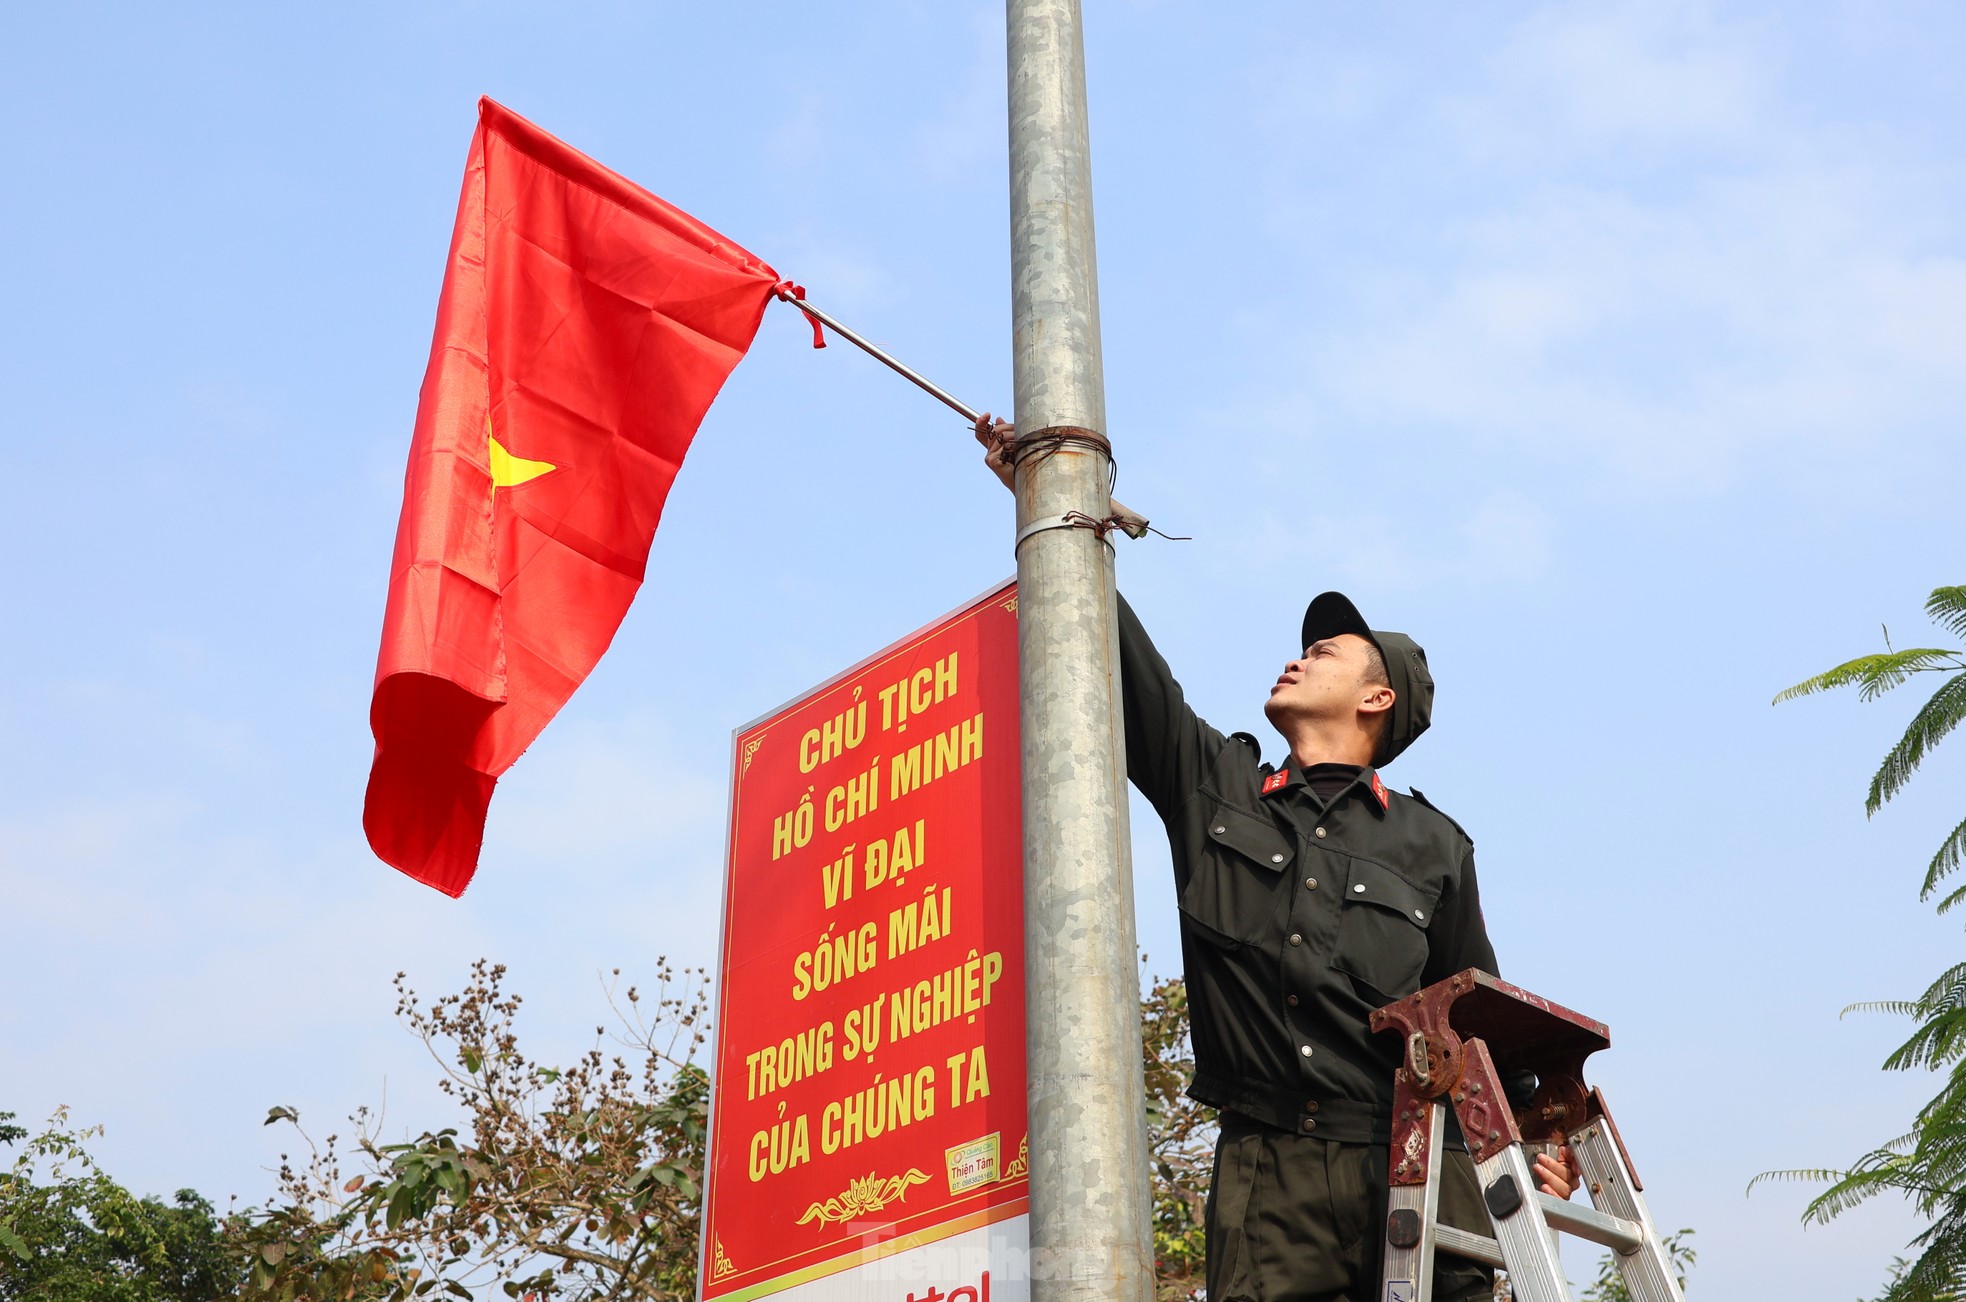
column 1461, row 1036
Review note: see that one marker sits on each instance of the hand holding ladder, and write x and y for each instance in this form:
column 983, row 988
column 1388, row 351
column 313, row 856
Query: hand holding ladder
column 1460, row 1035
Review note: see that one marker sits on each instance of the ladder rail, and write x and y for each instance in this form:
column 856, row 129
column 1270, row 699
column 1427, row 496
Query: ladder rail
column 1447, row 1028
column 1528, row 1252
column 1412, row 1238
column 1647, row 1272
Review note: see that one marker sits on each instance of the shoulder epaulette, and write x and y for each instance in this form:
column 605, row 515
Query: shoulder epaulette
column 1419, row 796
column 1250, row 739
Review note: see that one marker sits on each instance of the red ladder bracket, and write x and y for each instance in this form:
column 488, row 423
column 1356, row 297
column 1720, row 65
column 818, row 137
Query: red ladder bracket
column 1460, row 1037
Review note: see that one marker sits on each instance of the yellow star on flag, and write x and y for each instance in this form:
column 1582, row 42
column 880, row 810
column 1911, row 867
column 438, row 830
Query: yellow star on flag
column 508, row 471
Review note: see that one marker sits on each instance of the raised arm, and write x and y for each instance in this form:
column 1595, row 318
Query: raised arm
column 1168, row 746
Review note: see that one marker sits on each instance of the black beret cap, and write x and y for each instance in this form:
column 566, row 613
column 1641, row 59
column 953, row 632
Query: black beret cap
column 1332, row 613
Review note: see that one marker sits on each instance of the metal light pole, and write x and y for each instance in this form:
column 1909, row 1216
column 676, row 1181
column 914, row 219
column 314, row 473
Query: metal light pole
column 1091, row 1237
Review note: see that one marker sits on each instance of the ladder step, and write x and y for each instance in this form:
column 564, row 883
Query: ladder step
column 1475, row 1247
column 1614, row 1232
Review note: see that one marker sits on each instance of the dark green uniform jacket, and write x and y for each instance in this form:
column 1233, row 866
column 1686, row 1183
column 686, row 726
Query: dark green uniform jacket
column 1298, row 918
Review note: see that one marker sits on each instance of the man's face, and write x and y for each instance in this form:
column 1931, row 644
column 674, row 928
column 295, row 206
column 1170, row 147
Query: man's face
column 1327, row 681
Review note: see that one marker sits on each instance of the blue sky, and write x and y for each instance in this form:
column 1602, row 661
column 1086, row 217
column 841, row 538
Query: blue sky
column 1614, row 351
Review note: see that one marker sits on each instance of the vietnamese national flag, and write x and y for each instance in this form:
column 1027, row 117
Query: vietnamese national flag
column 583, row 330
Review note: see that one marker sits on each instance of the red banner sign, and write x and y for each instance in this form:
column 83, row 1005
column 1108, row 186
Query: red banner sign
column 869, row 1084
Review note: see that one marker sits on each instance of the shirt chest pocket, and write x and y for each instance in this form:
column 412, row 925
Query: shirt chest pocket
column 1382, row 931
column 1237, row 888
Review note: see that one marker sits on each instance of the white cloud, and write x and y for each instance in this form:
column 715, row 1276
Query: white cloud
column 1637, row 74
column 1502, row 538
column 1668, row 339
column 54, row 867
column 215, row 967
column 608, row 793
column 1787, row 289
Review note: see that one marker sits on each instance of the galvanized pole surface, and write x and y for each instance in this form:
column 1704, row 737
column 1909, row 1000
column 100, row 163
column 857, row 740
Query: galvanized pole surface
column 1091, row 1237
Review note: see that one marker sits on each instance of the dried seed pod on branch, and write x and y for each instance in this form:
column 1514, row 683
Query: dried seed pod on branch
column 578, row 1181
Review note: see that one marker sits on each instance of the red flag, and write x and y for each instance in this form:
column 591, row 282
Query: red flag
column 583, row 330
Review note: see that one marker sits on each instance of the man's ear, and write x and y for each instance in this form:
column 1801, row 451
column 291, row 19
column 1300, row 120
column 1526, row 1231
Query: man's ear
column 1378, row 699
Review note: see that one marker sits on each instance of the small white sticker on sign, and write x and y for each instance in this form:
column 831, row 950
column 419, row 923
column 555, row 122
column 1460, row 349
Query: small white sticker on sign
column 974, row 1164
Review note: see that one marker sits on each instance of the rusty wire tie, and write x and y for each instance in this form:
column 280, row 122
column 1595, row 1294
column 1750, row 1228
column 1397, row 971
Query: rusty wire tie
column 1047, row 443
column 1075, row 520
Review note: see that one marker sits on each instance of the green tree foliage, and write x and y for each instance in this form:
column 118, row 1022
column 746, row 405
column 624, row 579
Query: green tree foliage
column 1180, row 1141
column 1899, row 1268
column 1927, row 1164
column 1873, row 676
column 69, row 1233
column 577, row 1183
column 583, row 1183
column 569, row 1183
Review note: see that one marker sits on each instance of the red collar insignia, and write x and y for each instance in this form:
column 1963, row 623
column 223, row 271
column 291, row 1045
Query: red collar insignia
column 1379, row 790
column 1276, row 781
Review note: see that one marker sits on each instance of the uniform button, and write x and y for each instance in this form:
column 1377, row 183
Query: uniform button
column 1310, row 883
column 1421, row 914
column 1296, row 938
column 1220, row 830
column 1309, row 1125
column 1304, row 1049
column 1276, row 858
column 1310, row 1105
column 1359, row 889
column 1291, row 1000
column 1320, row 833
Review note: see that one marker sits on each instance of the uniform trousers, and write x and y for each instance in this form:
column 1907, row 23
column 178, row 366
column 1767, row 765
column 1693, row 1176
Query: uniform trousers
column 1295, row 1218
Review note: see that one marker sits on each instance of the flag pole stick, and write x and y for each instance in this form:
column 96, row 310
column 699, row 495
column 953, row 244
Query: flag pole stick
column 1130, row 520
column 1090, row 1229
column 887, row 359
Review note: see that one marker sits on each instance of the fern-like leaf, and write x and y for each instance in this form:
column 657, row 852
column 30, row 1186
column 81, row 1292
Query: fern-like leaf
column 1812, row 1175
column 1938, row 716
column 1944, row 864
column 1895, row 1007
column 1947, row 993
column 1935, row 1277
column 1928, row 1165
column 1874, row 674
column 1937, row 1042
column 1947, row 608
column 1876, row 1173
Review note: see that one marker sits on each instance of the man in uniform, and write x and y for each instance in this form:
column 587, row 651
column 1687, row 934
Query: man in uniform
column 1310, row 894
